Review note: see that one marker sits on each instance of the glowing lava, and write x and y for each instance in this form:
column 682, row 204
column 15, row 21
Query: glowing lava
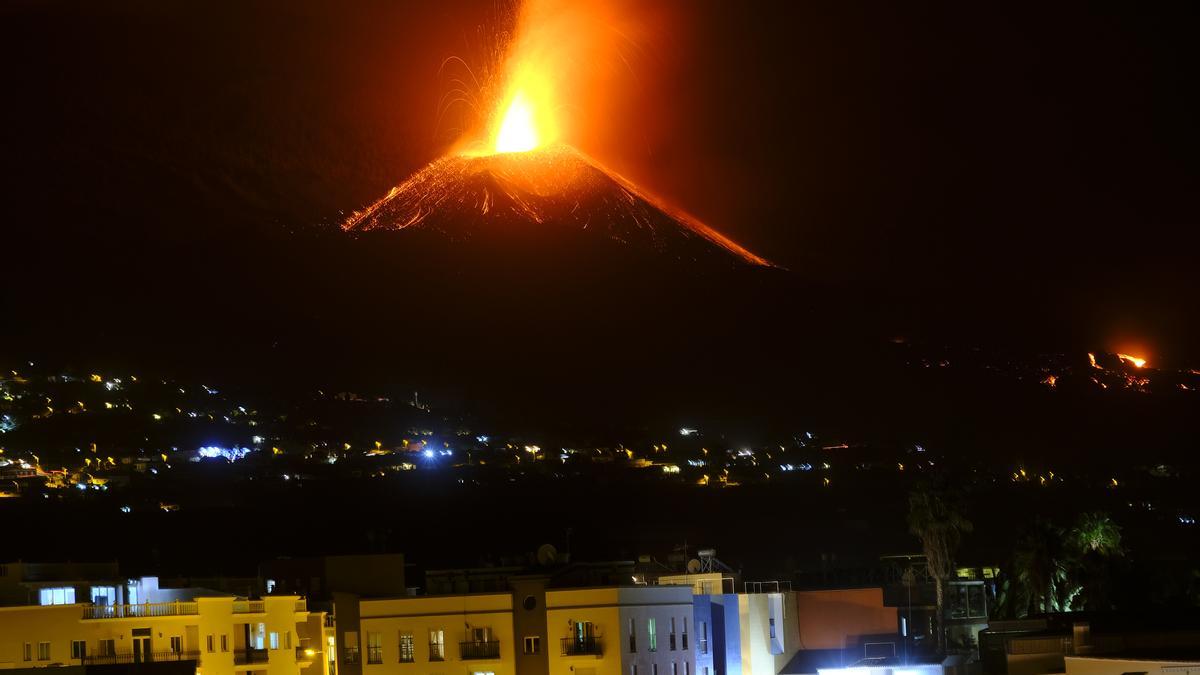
column 513, row 171
column 1135, row 361
column 518, row 129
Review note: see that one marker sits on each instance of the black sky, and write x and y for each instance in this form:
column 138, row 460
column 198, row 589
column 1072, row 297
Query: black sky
column 1023, row 167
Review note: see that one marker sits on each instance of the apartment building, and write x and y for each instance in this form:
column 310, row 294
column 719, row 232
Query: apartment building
column 426, row 635
column 635, row 630
column 533, row 629
column 221, row 634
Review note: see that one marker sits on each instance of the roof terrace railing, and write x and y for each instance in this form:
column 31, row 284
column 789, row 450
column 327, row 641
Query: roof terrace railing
column 145, row 610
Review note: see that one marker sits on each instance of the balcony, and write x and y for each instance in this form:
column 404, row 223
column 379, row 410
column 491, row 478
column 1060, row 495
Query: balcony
column 249, row 607
column 375, row 655
column 302, row 605
column 142, row 611
column 489, row 649
column 437, row 651
column 588, row 646
column 242, row 657
column 329, row 622
column 350, row 655
column 145, row 657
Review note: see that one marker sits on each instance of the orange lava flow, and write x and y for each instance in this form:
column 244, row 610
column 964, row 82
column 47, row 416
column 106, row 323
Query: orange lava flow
column 1135, row 361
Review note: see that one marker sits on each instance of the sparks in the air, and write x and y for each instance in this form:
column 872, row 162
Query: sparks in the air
column 516, row 160
column 536, row 70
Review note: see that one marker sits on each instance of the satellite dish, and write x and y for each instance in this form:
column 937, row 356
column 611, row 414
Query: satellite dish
column 547, row 554
column 693, row 566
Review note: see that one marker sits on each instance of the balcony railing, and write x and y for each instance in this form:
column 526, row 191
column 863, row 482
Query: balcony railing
column 141, row 611
column 588, row 646
column 479, row 649
column 684, row 643
column 143, row 657
column 329, row 622
column 302, row 605
column 374, row 654
column 249, row 606
column 437, row 651
column 244, row 656
column 702, row 645
column 671, row 640
column 350, row 655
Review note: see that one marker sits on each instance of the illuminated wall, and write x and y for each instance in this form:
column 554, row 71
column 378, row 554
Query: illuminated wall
column 484, row 622
column 165, row 628
column 836, row 619
column 613, row 612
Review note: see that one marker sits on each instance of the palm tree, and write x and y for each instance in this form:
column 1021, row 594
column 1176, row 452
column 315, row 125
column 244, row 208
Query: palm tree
column 1039, row 567
column 1058, row 569
column 1093, row 542
column 934, row 517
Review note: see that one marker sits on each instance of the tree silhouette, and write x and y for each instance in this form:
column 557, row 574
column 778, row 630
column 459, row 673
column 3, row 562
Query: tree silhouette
column 935, row 518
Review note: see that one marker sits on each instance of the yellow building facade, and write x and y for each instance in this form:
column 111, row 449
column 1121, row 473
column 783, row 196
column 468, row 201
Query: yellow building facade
column 637, row 630
column 427, row 635
column 223, row 635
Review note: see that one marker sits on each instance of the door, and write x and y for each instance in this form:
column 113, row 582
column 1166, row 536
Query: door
column 141, row 649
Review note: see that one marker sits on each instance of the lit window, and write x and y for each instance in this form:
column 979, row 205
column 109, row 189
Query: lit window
column 437, row 645
column 374, row 648
column 104, row 595
column 407, row 652
column 652, row 638
column 57, row 596
column 274, row 640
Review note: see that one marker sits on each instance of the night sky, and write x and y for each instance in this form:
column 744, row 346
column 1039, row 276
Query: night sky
column 1023, row 171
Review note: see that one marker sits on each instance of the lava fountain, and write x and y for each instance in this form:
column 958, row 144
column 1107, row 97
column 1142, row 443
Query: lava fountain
column 515, row 169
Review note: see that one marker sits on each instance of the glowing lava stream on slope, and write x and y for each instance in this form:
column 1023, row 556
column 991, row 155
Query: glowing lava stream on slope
column 1135, row 361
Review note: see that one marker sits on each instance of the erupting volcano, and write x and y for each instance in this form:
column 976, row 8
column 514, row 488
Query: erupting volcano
column 519, row 173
